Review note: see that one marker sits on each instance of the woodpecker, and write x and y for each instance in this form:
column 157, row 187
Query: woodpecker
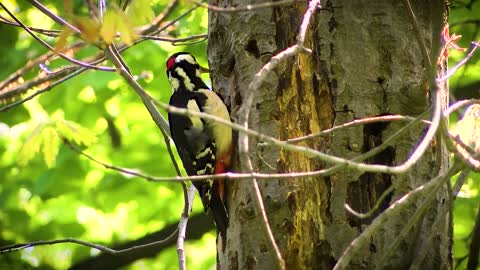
column 203, row 145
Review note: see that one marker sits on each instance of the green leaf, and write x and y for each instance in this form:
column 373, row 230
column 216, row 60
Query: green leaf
column 75, row 132
column 116, row 20
column 51, row 144
column 31, row 145
column 107, row 32
column 139, row 12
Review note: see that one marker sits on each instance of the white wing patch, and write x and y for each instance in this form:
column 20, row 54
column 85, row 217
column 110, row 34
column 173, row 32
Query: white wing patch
column 196, row 121
column 222, row 134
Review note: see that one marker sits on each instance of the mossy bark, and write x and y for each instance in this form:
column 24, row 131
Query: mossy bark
column 365, row 61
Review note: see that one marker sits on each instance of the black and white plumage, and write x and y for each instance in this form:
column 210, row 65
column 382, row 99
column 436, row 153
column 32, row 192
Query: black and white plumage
column 203, row 145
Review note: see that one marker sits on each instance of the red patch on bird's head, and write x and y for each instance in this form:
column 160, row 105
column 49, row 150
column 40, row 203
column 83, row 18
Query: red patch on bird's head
column 170, row 62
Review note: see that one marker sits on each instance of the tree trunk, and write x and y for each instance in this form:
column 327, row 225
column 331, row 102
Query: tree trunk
column 365, row 61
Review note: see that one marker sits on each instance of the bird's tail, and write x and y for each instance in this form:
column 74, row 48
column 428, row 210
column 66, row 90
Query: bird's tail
column 218, row 208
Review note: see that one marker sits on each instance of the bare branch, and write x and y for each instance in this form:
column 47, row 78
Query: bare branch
column 31, row 64
column 356, row 122
column 245, row 8
column 182, row 228
column 156, row 22
column 428, row 192
column 45, row 89
column 374, row 209
column 77, row 62
column 192, row 39
column 20, row 246
column 453, row 70
column 47, row 32
column 147, row 101
column 52, row 15
column 421, row 41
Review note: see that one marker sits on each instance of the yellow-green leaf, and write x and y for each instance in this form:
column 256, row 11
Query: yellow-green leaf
column 109, row 26
column 75, row 132
column 89, row 28
column 51, row 144
column 62, row 39
column 139, row 12
column 31, row 146
column 127, row 33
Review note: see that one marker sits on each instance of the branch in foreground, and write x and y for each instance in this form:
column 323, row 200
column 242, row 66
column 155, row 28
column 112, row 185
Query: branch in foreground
column 198, row 225
column 356, row 122
column 182, row 228
column 245, row 8
column 53, row 16
column 276, row 176
column 427, row 192
column 453, row 70
column 45, row 44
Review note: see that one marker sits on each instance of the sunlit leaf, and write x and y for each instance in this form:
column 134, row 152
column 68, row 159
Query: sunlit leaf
column 139, row 12
column 90, row 28
column 62, row 39
column 127, row 33
column 31, row 145
column 51, row 144
column 116, row 21
column 75, row 132
column 108, row 29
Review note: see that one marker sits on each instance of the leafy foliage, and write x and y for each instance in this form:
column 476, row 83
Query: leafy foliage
column 48, row 191
column 466, row 205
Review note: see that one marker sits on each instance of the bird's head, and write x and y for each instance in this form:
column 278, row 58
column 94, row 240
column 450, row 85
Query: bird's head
column 183, row 71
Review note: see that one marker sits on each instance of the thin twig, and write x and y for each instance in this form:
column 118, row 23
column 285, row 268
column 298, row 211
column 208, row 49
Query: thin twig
column 154, row 113
column 182, row 228
column 77, row 62
column 244, row 8
column 452, row 71
column 47, row 32
column 320, row 155
column 20, row 246
column 428, row 191
column 425, row 248
column 43, row 90
column 172, row 22
column 460, row 181
column 52, row 15
column 195, row 38
column 459, row 104
column 374, row 209
column 436, row 183
column 158, row 20
column 33, row 63
column 418, row 34
column 355, row 122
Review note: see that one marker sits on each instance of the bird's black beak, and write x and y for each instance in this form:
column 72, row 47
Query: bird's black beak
column 204, row 70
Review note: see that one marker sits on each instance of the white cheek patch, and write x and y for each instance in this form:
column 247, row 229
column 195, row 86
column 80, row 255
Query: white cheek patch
column 185, row 57
column 186, row 80
column 196, row 121
column 174, row 82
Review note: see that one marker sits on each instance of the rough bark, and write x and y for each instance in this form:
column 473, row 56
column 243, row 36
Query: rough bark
column 365, row 61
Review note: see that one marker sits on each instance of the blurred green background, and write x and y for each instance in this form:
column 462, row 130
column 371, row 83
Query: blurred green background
column 47, row 196
column 76, row 197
